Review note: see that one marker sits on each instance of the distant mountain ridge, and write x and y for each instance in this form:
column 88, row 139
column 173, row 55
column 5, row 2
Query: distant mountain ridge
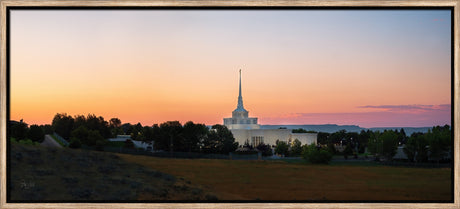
column 331, row 128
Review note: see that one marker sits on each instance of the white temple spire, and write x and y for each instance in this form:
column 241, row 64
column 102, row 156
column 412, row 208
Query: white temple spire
column 240, row 117
column 240, row 106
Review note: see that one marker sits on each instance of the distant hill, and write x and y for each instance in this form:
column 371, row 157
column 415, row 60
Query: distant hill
column 408, row 130
column 331, row 128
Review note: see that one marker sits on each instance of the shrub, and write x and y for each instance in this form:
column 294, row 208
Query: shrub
column 128, row 144
column 331, row 148
column 75, row 143
column 316, row 155
column 99, row 141
column 81, row 133
column 28, row 142
column 13, row 140
column 36, row 133
column 18, row 130
column 265, row 149
column 348, row 151
column 281, row 148
column 296, row 148
column 245, row 152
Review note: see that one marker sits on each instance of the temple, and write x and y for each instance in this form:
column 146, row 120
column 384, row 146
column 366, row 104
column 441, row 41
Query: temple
column 245, row 128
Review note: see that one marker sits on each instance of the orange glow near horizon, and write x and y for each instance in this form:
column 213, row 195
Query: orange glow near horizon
column 130, row 65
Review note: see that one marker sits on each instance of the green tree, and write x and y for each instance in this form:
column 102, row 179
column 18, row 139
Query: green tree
column 416, row 148
column 383, row 144
column 156, row 134
column 97, row 138
column 79, row 120
column 323, row 138
column 126, row 128
column 134, row 132
column 209, row 142
column 47, row 129
column 338, row 136
column 147, row 134
column 402, row 137
column 194, row 134
column 81, row 134
column 281, row 148
column 94, row 122
column 446, row 135
column 375, row 144
column 389, row 144
column 171, row 136
column 363, row 139
column 265, row 149
column 410, row 149
column 299, row 130
column 439, row 142
column 115, row 126
column 18, row 130
column 331, row 148
column 347, row 151
column 225, row 142
column 89, row 137
column 63, row 124
column 315, row 154
column 296, row 148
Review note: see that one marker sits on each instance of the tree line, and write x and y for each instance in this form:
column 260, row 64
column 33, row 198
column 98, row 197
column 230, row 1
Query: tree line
column 92, row 130
column 22, row 132
column 434, row 146
column 171, row 136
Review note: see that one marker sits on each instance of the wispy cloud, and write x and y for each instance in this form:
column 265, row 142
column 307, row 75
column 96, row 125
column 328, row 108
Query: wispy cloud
column 415, row 107
column 380, row 116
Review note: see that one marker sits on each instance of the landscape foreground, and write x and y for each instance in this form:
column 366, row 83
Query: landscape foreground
column 281, row 180
column 52, row 174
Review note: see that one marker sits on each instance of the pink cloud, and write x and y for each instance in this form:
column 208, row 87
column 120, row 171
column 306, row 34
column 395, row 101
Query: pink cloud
column 416, row 108
column 382, row 116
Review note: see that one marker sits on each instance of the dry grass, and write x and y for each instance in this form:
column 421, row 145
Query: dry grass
column 275, row 180
column 50, row 174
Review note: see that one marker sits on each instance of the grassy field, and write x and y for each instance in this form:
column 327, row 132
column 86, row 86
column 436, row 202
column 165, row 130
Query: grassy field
column 281, row 180
column 42, row 173
column 64, row 174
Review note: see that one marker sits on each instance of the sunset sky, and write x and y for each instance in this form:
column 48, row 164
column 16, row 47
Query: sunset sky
column 372, row 68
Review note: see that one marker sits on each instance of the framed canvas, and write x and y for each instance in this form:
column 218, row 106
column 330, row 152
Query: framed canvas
column 131, row 104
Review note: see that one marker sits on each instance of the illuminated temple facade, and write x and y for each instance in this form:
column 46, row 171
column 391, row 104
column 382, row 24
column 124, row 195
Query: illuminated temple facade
column 246, row 129
column 240, row 118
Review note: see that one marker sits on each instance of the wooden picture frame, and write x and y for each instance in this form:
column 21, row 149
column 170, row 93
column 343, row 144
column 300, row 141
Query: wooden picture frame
column 4, row 4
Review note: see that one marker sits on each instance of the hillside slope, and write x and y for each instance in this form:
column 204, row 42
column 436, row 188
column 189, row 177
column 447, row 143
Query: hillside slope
column 51, row 174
